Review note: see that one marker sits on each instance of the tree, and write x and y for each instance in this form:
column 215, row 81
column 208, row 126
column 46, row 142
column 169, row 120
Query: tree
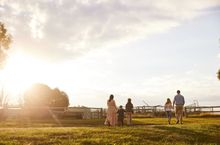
column 59, row 99
column 5, row 41
column 218, row 74
column 41, row 95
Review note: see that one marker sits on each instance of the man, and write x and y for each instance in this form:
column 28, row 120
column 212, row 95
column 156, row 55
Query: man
column 129, row 111
column 179, row 101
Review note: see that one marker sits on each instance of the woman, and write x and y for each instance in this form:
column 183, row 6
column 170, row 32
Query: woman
column 111, row 118
column 168, row 108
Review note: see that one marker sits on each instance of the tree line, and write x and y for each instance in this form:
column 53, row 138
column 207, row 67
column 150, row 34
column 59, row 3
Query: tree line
column 41, row 95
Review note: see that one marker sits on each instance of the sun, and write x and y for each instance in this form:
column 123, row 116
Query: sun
column 20, row 72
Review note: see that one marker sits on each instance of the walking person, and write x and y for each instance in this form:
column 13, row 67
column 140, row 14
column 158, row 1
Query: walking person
column 121, row 116
column 168, row 108
column 111, row 118
column 179, row 101
column 129, row 111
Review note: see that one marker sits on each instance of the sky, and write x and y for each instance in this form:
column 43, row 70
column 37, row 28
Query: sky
column 144, row 50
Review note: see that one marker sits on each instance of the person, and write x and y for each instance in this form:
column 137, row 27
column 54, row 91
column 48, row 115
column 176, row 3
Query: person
column 168, row 108
column 111, row 117
column 129, row 111
column 121, row 112
column 179, row 101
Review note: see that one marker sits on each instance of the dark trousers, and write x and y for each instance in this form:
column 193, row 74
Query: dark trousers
column 120, row 121
column 169, row 114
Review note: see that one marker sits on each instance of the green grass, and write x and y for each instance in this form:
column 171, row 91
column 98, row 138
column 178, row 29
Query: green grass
column 90, row 132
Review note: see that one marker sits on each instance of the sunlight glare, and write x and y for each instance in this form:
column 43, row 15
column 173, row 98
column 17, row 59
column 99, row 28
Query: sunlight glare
column 20, row 72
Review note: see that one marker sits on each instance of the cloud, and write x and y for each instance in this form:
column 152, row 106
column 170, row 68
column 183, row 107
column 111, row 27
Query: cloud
column 218, row 55
column 195, row 86
column 63, row 29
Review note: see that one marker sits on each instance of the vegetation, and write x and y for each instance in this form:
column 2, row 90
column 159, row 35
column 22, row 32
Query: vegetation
column 144, row 131
column 43, row 95
column 218, row 74
column 5, row 41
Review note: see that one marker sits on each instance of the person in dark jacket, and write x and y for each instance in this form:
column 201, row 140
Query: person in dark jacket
column 121, row 116
column 129, row 111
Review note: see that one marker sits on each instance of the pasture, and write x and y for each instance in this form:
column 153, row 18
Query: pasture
column 144, row 131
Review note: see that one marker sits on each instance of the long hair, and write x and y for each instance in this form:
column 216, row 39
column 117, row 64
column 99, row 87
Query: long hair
column 111, row 97
column 168, row 101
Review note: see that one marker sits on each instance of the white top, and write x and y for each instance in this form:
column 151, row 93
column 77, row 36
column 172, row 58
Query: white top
column 168, row 107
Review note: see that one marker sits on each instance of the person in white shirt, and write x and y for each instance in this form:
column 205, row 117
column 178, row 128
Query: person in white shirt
column 168, row 108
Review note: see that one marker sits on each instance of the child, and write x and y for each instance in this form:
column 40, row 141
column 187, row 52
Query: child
column 168, row 108
column 121, row 116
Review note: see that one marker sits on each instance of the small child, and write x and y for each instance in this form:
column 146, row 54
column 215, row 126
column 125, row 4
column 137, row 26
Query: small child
column 168, row 108
column 121, row 116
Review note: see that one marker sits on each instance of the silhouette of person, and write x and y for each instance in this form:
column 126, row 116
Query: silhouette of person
column 168, row 108
column 121, row 116
column 179, row 101
column 129, row 111
column 111, row 117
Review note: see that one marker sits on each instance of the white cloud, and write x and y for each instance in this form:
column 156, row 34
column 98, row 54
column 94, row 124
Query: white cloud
column 37, row 22
column 74, row 26
column 154, row 89
column 219, row 55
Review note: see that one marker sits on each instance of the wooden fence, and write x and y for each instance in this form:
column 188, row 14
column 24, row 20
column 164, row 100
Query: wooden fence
column 193, row 110
column 98, row 113
column 61, row 112
column 158, row 111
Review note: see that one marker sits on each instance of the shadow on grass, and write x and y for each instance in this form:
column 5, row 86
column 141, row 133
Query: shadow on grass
column 193, row 136
column 150, row 121
column 26, row 123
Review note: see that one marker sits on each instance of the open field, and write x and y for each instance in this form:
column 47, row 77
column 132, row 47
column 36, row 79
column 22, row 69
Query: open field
column 87, row 132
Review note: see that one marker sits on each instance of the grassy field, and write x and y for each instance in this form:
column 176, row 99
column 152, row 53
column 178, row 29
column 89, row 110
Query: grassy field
column 145, row 131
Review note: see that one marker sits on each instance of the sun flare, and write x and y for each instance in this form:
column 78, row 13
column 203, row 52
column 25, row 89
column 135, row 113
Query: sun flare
column 19, row 73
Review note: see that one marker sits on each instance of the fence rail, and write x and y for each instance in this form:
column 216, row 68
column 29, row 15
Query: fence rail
column 75, row 112
column 94, row 112
column 201, row 109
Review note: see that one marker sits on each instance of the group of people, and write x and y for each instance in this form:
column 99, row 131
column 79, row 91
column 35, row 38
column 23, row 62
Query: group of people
column 179, row 101
column 116, row 116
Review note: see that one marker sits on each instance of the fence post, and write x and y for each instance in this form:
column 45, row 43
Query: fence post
column 154, row 111
column 185, row 112
column 101, row 116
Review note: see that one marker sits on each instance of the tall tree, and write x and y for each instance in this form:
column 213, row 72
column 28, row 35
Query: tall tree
column 5, row 41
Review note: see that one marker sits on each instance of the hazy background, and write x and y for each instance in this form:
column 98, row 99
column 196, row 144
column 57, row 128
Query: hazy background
column 141, row 49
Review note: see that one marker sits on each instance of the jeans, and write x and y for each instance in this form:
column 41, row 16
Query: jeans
column 169, row 114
